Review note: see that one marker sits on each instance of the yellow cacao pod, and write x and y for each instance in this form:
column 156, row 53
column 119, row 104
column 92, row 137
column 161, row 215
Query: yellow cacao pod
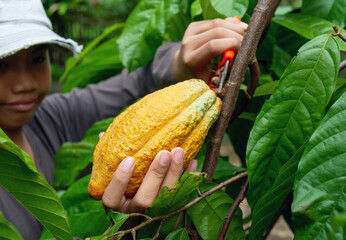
column 176, row 116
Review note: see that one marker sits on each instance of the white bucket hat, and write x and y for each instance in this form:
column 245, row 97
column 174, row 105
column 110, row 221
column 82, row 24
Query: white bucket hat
column 24, row 23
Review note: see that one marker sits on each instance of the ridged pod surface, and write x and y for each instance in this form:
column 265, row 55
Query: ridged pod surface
column 176, row 116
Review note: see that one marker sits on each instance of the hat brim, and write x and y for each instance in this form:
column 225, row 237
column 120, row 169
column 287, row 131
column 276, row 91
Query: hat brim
column 19, row 36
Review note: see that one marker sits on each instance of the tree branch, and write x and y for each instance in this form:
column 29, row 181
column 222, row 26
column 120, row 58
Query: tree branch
column 286, row 203
column 260, row 19
column 338, row 33
column 234, row 207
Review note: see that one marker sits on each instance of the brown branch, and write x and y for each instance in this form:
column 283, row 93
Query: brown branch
column 342, row 65
column 187, row 206
column 338, row 33
column 234, row 207
column 261, row 17
column 286, row 203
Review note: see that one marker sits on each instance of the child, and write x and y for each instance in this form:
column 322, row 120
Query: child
column 40, row 125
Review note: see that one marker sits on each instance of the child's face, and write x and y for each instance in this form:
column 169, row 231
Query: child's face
column 24, row 81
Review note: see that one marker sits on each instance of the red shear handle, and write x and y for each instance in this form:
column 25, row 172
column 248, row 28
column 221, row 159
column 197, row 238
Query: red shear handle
column 227, row 55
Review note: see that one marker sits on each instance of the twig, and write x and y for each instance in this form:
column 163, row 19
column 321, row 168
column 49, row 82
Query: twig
column 342, row 65
column 187, row 206
column 338, row 33
column 177, row 223
column 261, row 17
column 287, row 202
column 234, row 207
column 158, row 230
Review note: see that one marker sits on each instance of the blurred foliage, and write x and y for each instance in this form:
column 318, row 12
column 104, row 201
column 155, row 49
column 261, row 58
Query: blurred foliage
column 83, row 21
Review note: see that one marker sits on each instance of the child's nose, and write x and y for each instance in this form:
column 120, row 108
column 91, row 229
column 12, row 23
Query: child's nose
column 24, row 80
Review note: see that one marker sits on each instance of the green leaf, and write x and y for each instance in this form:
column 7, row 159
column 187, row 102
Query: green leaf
column 340, row 82
column 225, row 169
column 320, row 183
column 144, row 31
column 73, row 62
column 99, row 64
column 223, row 8
column 72, row 158
column 292, row 113
column 87, row 216
column 171, row 199
column 177, row 27
column 20, row 178
column 339, row 220
column 179, row 234
column 333, row 10
column 118, row 219
column 248, row 116
column 268, row 205
column 336, row 95
column 196, row 9
column 209, row 11
column 280, row 61
column 309, row 26
column 7, row 230
column 266, row 89
column 208, row 215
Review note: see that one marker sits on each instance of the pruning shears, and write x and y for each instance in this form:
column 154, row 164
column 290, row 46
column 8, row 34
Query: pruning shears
column 218, row 77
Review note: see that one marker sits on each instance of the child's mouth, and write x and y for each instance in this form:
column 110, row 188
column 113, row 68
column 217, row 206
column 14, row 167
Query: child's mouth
column 21, row 107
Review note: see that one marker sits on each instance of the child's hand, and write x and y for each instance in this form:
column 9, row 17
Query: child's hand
column 202, row 42
column 165, row 170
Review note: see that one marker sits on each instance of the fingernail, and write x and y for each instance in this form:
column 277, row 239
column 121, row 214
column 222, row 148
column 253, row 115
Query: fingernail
column 193, row 165
column 244, row 25
column 178, row 155
column 165, row 158
column 127, row 164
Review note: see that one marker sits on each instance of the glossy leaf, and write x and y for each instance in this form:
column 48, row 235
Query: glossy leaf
column 223, row 8
column 280, row 61
column 224, row 169
column 320, row 183
column 333, row 10
column 20, row 178
column 268, row 205
column 336, row 95
column 171, row 199
column 72, row 158
column 266, row 89
column 292, row 113
column 87, row 216
column 309, row 26
column 208, row 215
column 179, row 234
column 7, row 230
column 144, row 31
column 118, row 219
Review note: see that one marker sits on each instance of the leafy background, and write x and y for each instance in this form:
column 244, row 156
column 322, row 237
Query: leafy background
column 292, row 135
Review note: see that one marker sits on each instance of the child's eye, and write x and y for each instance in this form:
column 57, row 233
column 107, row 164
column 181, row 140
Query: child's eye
column 3, row 65
column 39, row 59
